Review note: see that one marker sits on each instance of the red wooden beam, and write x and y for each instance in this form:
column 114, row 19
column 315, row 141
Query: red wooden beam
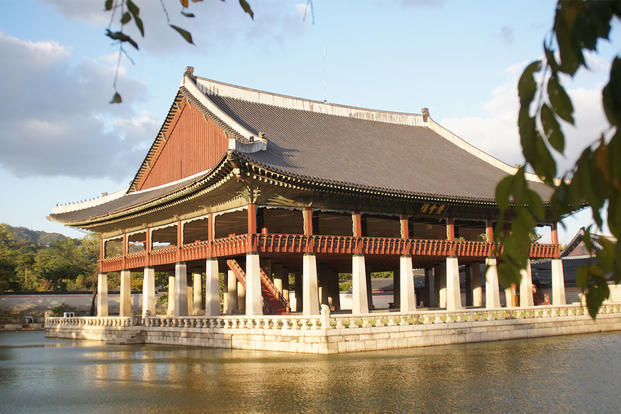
column 405, row 227
column 357, row 224
column 252, row 218
column 307, row 214
column 489, row 231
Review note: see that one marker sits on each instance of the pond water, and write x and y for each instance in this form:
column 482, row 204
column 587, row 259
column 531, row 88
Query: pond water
column 550, row 375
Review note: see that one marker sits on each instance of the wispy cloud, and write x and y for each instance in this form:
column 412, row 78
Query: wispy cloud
column 56, row 119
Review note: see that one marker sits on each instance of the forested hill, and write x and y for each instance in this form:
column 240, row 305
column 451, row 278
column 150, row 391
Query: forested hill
column 38, row 261
column 36, row 237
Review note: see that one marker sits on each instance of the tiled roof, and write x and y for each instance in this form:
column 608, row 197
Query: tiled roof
column 380, row 155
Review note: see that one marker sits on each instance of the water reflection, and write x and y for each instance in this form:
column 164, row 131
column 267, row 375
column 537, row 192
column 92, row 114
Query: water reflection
column 564, row 374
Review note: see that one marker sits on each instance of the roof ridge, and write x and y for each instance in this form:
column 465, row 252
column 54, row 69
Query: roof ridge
column 212, row 87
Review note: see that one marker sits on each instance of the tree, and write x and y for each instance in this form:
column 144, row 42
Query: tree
column 595, row 180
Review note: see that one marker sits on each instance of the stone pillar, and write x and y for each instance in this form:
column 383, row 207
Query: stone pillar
column 477, row 288
column 241, row 298
column 148, row 292
column 285, row 284
column 190, row 299
column 369, row 290
column 254, row 300
column 102, row 294
column 453, row 289
column 181, row 289
column 197, row 291
column 509, row 295
column 428, row 286
column 396, row 289
column 436, row 286
column 468, row 279
column 406, row 276
column 299, row 296
column 558, row 282
column 492, row 291
column 231, row 294
column 442, row 285
column 125, row 308
column 334, row 290
column 171, row 296
column 278, row 277
column 359, row 285
column 310, row 293
column 212, row 287
column 526, row 287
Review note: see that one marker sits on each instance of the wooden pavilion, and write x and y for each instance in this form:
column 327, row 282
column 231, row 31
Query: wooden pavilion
column 262, row 185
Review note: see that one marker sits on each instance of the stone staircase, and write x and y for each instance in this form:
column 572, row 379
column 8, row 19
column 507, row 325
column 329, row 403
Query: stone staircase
column 273, row 302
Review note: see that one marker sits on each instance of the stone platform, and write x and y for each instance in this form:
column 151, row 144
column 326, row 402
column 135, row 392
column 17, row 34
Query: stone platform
column 332, row 334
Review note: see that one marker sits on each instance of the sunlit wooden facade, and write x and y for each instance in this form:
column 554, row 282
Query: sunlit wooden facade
column 261, row 186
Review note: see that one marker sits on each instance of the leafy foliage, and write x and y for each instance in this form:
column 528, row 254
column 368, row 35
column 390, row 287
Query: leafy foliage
column 595, row 179
column 122, row 12
column 66, row 264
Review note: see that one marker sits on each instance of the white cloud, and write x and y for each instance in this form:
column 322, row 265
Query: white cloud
column 81, row 10
column 496, row 131
column 54, row 115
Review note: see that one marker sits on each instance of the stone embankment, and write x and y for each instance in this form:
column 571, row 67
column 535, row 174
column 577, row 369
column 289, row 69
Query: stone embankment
column 331, row 334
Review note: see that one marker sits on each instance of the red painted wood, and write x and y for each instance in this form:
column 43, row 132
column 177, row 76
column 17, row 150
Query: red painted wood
column 193, row 144
column 252, row 218
column 405, row 227
column 307, row 214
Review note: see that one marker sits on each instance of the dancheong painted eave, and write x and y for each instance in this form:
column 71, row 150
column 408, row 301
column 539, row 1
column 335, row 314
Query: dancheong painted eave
column 310, row 144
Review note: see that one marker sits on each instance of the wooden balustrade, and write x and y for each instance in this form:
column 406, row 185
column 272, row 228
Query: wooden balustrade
column 321, row 244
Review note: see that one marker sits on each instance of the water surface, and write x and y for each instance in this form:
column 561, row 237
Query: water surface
column 551, row 375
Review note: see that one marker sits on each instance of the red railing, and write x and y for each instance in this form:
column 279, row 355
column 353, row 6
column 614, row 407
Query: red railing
column 320, row 244
column 538, row 251
column 163, row 256
column 134, row 260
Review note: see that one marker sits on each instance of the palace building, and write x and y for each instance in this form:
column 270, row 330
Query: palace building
column 259, row 186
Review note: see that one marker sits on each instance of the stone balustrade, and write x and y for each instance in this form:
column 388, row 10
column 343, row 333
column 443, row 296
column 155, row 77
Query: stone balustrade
column 327, row 321
column 118, row 321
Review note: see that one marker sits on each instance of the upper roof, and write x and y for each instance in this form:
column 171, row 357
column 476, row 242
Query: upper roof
column 396, row 153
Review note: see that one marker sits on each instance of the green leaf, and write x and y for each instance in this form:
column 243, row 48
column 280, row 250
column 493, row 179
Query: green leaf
column 535, row 205
column 502, row 192
column 527, row 85
column 611, row 94
column 552, row 129
column 527, row 128
column 246, row 7
column 108, row 5
column 186, row 14
column 116, row 98
column 126, row 18
column 122, row 37
column 133, row 9
column 569, row 50
column 543, row 163
column 184, row 33
column 560, row 100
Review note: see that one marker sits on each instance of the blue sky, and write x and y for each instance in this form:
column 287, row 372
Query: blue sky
column 61, row 141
